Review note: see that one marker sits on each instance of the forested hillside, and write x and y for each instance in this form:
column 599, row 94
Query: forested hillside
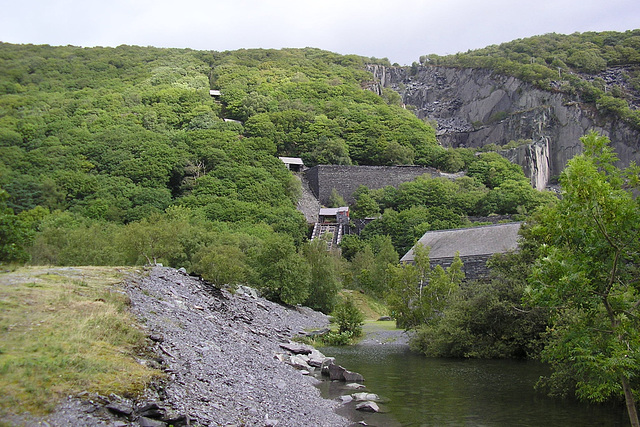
column 113, row 156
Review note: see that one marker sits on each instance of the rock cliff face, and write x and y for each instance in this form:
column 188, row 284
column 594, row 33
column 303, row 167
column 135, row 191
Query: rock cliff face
column 475, row 107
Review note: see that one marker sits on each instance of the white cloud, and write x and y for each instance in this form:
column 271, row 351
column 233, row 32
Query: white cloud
column 401, row 30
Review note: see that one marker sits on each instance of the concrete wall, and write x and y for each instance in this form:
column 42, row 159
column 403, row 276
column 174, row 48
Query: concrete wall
column 346, row 179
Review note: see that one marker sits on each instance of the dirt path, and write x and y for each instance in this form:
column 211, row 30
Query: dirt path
column 383, row 333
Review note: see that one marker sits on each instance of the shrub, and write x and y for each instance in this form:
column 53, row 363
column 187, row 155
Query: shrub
column 348, row 317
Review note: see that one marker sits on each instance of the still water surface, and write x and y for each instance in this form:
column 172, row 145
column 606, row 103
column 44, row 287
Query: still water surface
column 419, row 391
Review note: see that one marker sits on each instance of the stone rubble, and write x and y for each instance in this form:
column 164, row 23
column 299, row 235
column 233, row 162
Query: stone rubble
column 224, row 353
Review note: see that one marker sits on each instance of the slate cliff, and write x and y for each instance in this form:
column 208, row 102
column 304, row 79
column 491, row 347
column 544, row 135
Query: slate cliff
column 476, row 107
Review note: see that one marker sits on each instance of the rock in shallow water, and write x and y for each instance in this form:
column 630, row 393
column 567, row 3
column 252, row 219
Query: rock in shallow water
column 368, row 407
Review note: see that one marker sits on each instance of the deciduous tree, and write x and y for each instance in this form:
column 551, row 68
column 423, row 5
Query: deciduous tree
column 588, row 275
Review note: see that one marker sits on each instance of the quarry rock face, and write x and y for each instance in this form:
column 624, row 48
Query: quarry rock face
column 476, row 107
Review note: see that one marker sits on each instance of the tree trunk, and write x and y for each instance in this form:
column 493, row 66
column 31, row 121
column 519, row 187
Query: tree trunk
column 631, row 404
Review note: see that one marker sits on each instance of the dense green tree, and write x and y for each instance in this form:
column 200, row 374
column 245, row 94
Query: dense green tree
column 325, row 279
column 488, row 320
column 282, row 275
column 365, row 205
column 348, row 317
column 14, row 234
column 418, row 293
column 588, row 275
column 222, row 265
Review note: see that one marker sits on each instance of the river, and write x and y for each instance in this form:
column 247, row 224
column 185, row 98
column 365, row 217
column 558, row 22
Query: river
column 420, row 391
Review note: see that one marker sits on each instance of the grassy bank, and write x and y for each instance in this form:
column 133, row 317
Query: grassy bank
column 370, row 307
column 64, row 331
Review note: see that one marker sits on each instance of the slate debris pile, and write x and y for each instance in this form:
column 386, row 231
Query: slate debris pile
column 219, row 353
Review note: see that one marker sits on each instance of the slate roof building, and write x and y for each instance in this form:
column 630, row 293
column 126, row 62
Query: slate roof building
column 475, row 246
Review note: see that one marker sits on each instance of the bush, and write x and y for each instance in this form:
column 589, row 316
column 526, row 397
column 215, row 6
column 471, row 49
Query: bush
column 348, row 317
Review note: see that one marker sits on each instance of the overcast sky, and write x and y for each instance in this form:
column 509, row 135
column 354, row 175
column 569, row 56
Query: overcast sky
column 400, row 30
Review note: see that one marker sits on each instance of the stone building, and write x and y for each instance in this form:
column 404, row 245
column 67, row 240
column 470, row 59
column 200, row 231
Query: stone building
column 475, row 246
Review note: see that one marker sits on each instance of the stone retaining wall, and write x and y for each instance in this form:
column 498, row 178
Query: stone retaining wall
column 346, row 179
column 474, row 267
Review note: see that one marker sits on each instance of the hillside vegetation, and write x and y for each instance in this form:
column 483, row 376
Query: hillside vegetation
column 120, row 156
column 581, row 64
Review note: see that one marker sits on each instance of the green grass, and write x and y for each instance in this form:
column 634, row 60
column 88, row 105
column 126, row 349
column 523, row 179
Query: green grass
column 389, row 325
column 64, row 331
column 370, row 307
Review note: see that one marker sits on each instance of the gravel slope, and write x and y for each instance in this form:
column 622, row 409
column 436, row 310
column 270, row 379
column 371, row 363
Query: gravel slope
column 219, row 349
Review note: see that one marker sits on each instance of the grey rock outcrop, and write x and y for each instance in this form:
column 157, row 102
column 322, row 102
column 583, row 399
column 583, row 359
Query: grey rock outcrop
column 476, row 107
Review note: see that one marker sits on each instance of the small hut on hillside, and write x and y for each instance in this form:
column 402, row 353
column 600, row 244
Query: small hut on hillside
column 475, row 246
column 294, row 164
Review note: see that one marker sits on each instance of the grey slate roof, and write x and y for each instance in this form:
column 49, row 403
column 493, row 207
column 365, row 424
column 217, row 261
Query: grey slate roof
column 484, row 240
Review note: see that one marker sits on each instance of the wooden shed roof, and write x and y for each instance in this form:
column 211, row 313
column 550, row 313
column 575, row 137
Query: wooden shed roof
column 292, row 160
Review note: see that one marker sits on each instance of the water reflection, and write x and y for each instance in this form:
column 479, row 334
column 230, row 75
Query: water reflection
column 419, row 391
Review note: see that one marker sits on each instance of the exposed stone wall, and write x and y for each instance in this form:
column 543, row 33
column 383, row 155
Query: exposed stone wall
column 474, row 267
column 475, row 107
column 346, row 179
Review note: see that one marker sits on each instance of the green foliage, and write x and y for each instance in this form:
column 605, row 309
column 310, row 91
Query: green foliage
column 407, row 226
column 337, row 338
column 15, row 235
column 488, row 320
column 418, row 293
column 282, row 275
column 222, row 264
column 325, row 282
column 336, row 200
column 310, row 103
column 348, row 317
column 587, row 273
column 369, row 262
column 365, row 206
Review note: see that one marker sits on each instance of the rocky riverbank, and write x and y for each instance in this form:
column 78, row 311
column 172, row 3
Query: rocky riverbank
column 220, row 352
column 226, row 359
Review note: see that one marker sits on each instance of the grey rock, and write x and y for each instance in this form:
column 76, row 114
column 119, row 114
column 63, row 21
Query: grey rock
column 361, row 397
column 151, row 410
column 297, row 348
column 475, row 107
column 336, row 372
column 368, row 407
column 229, row 354
column 298, row 363
column 384, row 318
column 352, row 376
column 326, row 363
column 355, row 386
column 345, row 398
column 148, row 422
column 316, row 363
column 119, row 408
